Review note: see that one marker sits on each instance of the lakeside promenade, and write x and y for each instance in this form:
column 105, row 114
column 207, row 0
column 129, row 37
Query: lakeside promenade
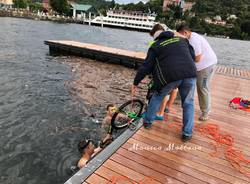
column 22, row 13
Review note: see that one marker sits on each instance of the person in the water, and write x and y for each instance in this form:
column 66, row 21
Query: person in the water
column 106, row 123
column 87, row 150
column 86, row 147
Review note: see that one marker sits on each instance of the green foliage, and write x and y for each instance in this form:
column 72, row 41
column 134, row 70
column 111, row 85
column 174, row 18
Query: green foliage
column 245, row 27
column 224, row 8
column 60, row 6
column 152, row 5
column 35, row 6
column 20, row 3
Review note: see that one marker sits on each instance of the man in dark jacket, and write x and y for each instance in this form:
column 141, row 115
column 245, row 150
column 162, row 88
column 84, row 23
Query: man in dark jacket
column 171, row 62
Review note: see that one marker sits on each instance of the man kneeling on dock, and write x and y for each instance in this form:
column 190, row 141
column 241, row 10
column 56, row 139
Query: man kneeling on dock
column 171, row 62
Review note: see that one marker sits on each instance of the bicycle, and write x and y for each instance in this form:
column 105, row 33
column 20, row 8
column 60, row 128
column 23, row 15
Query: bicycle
column 128, row 114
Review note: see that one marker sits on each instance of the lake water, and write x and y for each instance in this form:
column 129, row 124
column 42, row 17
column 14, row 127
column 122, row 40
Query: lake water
column 40, row 121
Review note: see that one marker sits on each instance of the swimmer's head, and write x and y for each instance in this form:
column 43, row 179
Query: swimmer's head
column 86, row 146
column 111, row 109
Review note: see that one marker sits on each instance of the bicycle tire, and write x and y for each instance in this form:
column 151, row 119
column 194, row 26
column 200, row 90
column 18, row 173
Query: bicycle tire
column 120, row 125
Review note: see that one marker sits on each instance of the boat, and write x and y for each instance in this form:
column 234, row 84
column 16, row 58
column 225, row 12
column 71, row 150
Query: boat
column 127, row 19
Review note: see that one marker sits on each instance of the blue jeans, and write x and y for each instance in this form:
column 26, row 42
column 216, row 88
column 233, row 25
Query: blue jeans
column 186, row 89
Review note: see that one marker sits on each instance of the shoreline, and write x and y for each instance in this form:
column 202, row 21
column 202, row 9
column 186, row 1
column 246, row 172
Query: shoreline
column 35, row 16
column 62, row 19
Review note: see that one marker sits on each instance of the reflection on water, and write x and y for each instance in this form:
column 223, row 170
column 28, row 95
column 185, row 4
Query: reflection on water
column 41, row 116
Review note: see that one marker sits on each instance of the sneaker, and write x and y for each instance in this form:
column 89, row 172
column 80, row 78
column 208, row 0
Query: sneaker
column 147, row 125
column 203, row 117
column 143, row 115
column 166, row 110
column 185, row 138
column 159, row 118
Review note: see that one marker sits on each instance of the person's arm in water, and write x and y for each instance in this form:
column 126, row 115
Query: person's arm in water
column 81, row 163
column 97, row 150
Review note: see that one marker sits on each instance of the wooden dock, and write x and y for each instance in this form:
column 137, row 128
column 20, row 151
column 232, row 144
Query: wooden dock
column 176, row 166
column 97, row 52
column 155, row 155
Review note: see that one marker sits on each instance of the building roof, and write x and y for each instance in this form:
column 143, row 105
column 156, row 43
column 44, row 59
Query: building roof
column 6, row 2
column 81, row 7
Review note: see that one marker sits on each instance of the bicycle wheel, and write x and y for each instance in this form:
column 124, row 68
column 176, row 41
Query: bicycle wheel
column 127, row 112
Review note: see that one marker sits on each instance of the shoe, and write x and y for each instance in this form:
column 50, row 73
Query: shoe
column 186, row 138
column 143, row 115
column 166, row 110
column 203, row 117
column 147, row 125
column 159, row 118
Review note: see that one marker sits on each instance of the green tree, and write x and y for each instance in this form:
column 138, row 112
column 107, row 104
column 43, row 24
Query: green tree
column 60, row 6
column 20, row 3
column 35, row 6
column 236, row 32
column 245, row 27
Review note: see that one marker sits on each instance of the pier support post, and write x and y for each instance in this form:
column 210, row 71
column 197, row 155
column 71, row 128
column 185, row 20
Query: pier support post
column 101, row 21
column 74, row 13
column 89, row 18
column 84, row 17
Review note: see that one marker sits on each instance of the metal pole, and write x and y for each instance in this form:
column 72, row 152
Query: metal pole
column 89, row 18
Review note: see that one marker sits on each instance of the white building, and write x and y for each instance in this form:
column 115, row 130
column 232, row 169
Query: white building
column 6, row 3
column 232, row 17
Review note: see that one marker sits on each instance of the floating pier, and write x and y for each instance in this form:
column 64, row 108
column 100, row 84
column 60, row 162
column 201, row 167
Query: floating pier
column 155, row 155
column 98, row 52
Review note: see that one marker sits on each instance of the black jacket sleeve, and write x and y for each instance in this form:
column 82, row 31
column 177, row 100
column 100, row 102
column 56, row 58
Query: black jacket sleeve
column 146, row 68
column 191, row 50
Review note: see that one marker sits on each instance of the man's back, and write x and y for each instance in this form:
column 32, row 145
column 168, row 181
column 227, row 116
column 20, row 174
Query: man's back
column 175, row 59
column 202, row 47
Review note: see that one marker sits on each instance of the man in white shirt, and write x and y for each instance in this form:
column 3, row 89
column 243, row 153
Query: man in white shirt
column 206, row 60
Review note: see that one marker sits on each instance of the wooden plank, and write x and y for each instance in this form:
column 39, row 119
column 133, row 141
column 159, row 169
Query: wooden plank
column 146, row 171
column 94, row 179
column 164, row 160
column 242, row 143
column 200, row 156
column 121, row 169
column 111, row 175
column 183, row 161
column 157, row 166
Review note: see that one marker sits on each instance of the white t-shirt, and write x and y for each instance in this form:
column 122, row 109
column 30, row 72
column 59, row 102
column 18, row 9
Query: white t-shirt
column 201, row 46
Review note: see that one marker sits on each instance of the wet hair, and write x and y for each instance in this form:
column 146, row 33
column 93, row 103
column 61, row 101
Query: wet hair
column 82, row 145
column 157, row 27
column 182, row 27
column 109, row 105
